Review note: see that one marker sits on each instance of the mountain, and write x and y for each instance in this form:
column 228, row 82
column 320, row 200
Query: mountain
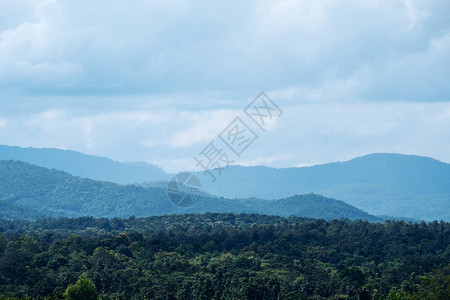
column 84, row 165
column 34, row 190
column 382, row 184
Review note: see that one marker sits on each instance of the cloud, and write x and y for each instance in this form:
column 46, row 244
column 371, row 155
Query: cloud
column 158, row 80
column 111, row 48
column 414, row 15
column 306, row 133
column 201, row 127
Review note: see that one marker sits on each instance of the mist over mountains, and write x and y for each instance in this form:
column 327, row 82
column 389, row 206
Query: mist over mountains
column 28, row 191
column 83, row 165
column 380, row 184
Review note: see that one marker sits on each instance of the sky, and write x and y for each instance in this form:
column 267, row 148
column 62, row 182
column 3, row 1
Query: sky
column 157, row 81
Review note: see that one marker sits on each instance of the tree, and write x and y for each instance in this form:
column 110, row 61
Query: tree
column 84, row 289
column 435, row 286
column 396, row 294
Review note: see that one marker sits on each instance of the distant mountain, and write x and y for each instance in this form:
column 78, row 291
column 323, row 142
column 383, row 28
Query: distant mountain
column 84, row 165
column 31, row 190
column 381, row 184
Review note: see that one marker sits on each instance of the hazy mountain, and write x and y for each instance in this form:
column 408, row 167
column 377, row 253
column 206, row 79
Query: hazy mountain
column 55, row 193
column 84, row 165
column 382, row 184
column 384, row 199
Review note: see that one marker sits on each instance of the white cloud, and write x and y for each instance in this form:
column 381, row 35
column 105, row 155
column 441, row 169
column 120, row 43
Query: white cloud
column 263, row 160
column 307, row 132
column 200, row 127
column 414, row 15
column 158, row 80
column 105, row 47
column 2, row 123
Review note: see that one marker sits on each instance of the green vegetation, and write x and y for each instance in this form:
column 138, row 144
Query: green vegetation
column 390, row 184
column 84, row 289
column 28, row 191
column 223, row 256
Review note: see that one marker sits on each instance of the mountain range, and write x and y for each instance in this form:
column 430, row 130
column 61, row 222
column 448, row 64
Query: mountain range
column 83, row 165
column 382, row 184
column 28, row 191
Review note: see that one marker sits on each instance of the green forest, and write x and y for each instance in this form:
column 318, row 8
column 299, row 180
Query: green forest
column 28, row 191
column 223, row 256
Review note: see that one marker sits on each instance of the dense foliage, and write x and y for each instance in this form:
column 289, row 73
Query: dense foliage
column 223, row 256
column 28, row 191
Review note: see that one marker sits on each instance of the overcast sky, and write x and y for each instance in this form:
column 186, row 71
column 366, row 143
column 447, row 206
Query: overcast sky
column 156, row 81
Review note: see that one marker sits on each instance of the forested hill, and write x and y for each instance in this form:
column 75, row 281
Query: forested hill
column 381, row 184
column 28, row 191
column 83, row 165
